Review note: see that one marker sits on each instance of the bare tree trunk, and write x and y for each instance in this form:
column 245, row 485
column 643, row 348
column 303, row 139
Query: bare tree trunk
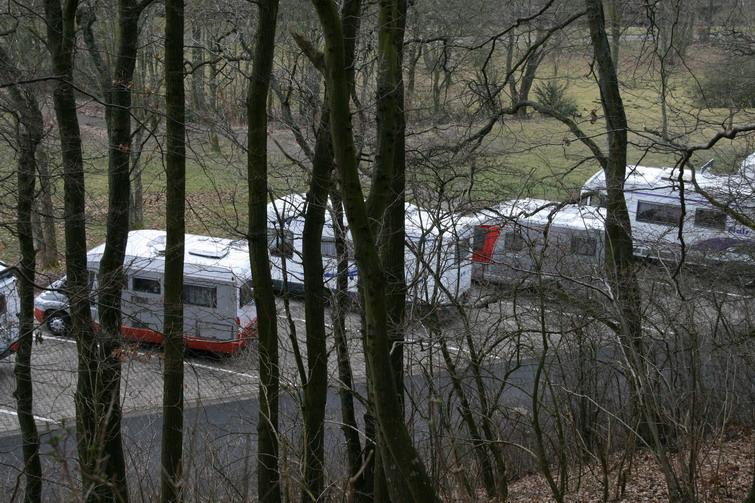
column 175, row 214
column 268, row 476
column 528, row 78
column 197, row 76
column 385, row 204
column 621, row 272
column 61, row 32
column 50, row 256
column 316, row 387
column 213, row 88
column 24, row 389
column 390, row 420
column 29, row 131
column 510, row 46
column 37, row 232
column 614, row 14
column 136, row 209
column 346, row 390
column 118, row 100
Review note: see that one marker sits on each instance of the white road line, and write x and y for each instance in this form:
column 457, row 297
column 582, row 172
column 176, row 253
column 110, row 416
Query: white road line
column 140, row 353
column 218, row 369
column 59, row 339
column 38, row 418
column 729, row 294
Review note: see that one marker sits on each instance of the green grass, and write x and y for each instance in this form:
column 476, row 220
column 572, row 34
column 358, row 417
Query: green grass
column 540, row 157
column 537, row 157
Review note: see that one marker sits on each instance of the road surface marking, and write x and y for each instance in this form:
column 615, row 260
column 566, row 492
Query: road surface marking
column 218, row 369
column 141, row 353
column 38, row 418
column 59, row 339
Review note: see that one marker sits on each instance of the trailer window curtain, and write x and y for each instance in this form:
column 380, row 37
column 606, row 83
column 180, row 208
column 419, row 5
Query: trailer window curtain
column 146, row 285
column 710, row 218
column 656, row 213
column 280, row 242
column 328, row 248
column 203, row 296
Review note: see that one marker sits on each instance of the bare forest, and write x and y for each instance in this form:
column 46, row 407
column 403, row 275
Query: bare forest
column 377, row 251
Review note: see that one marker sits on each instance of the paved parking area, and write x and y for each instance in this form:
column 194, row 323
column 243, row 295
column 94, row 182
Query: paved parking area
column 54, row 374
column 208, row 378
column 499, row 327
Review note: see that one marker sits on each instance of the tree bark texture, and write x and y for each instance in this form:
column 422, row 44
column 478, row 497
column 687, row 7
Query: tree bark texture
column 350, row 429
column 29, row 131
column 316, row 387
column 621, row 271
column 387, row 405
column 110, row 280
column 175, row 211
column 61, row 34
column 49, row 252
column 268, row 475
column 386, row 200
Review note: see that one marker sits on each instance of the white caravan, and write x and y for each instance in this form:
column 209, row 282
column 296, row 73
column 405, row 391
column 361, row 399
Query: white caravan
column 510, row 244
column 655, row 212
column 9, row 310
column 219, row 311
column 438, row 269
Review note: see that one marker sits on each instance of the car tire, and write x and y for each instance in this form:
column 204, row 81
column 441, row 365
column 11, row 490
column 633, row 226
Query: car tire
column 58, row 323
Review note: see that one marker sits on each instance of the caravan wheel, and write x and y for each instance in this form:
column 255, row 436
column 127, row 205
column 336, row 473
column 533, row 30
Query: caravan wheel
column 57, row 323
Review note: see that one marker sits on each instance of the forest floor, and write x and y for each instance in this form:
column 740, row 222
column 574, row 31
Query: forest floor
column 724, row 476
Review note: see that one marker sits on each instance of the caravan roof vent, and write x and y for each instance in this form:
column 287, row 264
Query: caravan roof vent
column 158, row 244
column 208, row 248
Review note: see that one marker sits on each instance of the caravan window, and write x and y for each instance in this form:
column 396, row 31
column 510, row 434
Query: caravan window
column 3, row 304
column 514, row 241
column 583, row 245
column 328, row 248
column 204, row 296
column 710, row 218
column 280, row 242
column 246, row 293
column 146, row 285
column 656, row 213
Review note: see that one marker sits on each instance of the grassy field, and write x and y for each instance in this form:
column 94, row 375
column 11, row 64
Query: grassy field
column 536, row 157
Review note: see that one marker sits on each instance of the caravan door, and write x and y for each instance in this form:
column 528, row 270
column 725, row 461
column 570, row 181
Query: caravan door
column 143, row 307
column 209, row 311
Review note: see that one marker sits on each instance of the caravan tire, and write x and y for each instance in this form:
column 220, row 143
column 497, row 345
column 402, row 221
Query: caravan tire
column 58, row 323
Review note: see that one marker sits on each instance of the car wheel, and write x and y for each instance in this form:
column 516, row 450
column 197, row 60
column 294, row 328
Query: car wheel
column 57, row 323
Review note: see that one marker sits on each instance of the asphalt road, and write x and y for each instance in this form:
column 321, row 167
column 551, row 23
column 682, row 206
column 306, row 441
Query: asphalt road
column 220, row 441
column 221, row 394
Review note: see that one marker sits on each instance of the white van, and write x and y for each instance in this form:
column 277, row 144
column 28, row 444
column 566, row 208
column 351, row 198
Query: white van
column 219, row 311
column 438, row 268
column 9, row 310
